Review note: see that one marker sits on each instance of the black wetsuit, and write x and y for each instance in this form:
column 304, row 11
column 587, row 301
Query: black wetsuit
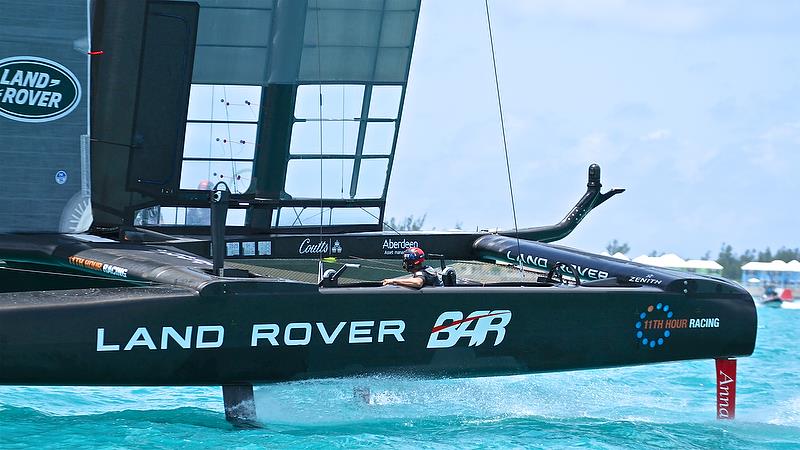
column 428, row 275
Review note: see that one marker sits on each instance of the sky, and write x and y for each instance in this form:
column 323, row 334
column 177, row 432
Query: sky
column 692, row 107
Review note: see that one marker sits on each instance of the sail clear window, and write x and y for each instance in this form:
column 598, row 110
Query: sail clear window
column 385, row 102
column 182, row 216
column 295, row 216
column 221, row 130
column 340, row 137
column 379, row 138
column 342, row 148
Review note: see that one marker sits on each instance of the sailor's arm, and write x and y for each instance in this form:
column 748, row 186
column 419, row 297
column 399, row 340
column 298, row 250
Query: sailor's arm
column 414, row 282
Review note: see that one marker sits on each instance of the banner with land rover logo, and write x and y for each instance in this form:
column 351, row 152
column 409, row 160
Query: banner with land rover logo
column 34, row 89
column 44, row 116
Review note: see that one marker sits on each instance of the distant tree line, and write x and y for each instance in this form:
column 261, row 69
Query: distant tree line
column 732, row 263
column 614, row 247
column 411, row 223
column 408, row 224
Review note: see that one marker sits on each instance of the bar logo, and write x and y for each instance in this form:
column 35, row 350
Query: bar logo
column 452, row 326
column 34, row 89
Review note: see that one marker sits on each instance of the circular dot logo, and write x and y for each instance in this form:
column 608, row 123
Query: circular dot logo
column 61, row 177
column 650, row 328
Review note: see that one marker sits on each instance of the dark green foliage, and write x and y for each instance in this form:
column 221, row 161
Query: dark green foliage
column 615, row 247
column 732, row 263
column 407, row 224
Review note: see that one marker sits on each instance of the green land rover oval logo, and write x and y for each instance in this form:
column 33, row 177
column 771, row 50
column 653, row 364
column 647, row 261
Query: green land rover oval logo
column 34, row 89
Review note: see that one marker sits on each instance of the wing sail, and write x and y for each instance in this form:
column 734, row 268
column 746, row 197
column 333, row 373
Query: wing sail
column 295, row 105
column 44, row 99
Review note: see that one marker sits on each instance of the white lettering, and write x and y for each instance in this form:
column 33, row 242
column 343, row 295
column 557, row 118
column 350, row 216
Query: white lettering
column 287, row 334
column 203, row 329
column 645, row 280
column 16, row 80
column 4, row 78
column 269, row 332
column 484, row 325
column 34, row 97
column 727, row 378
column 115, row 270
column 444, row 336
column 8, row 97
column 20, row 99
column 360, row 332
column 530, row 260
column 391, row 247
column 44, row 99
column 584, row 272
column 724, row 396
column 44, row 80
column 391, row 328
column 140, row 337
column 30, row 79
column 329, row 338
column 54, row 100
column 704, row 323
column 101, row 332
column 307, row 247
column 184, row 341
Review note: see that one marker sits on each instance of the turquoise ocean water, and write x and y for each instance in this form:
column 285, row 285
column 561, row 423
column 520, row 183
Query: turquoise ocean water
column 661, row 406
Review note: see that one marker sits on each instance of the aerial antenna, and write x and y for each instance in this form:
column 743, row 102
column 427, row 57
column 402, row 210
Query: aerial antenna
column 505, row 143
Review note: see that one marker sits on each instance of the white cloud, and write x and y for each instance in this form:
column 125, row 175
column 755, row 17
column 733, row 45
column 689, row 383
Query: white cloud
column 597, row 147
column 784, row 132
column 776, row 150
column 657, row 135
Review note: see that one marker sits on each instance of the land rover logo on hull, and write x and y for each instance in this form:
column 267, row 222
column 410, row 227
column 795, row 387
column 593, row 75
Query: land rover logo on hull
column 34, row 89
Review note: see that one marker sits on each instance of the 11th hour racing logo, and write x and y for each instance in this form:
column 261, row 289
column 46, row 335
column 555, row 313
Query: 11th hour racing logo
column 34, row 89
column 452, row 326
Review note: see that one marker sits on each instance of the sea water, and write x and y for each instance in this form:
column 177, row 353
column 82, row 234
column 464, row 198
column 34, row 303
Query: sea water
column 659, row 406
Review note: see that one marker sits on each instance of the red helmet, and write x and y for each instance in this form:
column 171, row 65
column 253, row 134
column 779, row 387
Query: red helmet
column 413, row 258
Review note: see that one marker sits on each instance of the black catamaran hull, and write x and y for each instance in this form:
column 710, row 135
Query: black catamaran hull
column 262, row 332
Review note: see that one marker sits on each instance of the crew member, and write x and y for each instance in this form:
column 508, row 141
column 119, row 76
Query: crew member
column 421, row 275
column 199, row 216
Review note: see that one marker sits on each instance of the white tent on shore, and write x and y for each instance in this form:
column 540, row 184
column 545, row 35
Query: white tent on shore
column 673, row 261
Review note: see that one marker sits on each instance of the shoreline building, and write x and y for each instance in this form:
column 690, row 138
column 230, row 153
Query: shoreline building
column 673, row 261
column 777, row 273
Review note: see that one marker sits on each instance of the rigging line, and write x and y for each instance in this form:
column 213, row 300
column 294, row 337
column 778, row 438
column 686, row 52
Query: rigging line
column 319, row 83
column 73, row 275
column 341, row 193
column 379, row 220
column 230, row 144
column 377, row 264
column 503, row 128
